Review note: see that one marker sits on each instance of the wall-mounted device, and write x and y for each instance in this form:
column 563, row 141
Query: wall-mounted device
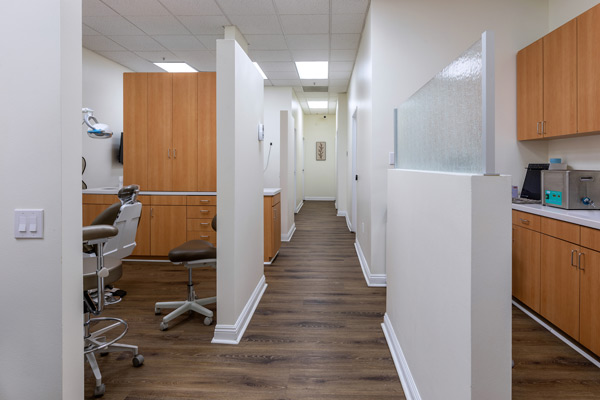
column 571, row 190
column 261, row 132
column 97, row 130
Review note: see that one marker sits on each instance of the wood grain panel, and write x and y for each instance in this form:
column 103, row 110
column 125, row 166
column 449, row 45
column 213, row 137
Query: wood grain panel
column 167, row 228
column 168, row 200
column 201, row 200
column 560, row 285
column 107, row 199
column 276, row 215
column 199, row 225
column 185, row 131
column 91, row 211
column 160, row 138
column 201, row 211
column 207, row 132
column 588, row 70
column 560, row 80
column 530, row 91
column 526, row 266
column 526, row 220
column 202, row 235
column 589, row 322
column 135, row 129
column 590, row 238
column 142, row 238
column 268, row 228
column 276, row 199
column 559, row 229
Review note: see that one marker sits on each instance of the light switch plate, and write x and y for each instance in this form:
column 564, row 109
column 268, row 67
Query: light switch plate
column 29, row 224
column 392, row 159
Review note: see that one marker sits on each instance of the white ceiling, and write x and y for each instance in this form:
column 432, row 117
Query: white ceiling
column 136, row 33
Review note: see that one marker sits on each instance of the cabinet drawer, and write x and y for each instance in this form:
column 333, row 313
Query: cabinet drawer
column 526, row 220
column 201, row 211
column 208, row 236
column 276, row 199
column 100, row 199
column 199, row 225
column 590, row 238
column 559, row 229
column 201, row 200
column 168, row 200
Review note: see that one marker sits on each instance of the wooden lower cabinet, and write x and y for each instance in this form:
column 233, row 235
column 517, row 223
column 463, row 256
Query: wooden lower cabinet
column 272, row 226
column 589, row 300
column 526, row 267
column 167, row 228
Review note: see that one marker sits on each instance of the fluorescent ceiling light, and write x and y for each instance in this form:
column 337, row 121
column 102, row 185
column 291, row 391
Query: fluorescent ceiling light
column 260, row 70
column 312, row 69
column 313, row 105
column 175, row 67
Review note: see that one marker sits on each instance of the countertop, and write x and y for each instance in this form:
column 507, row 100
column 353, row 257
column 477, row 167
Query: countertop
column 272, row 191
column 114, row 190
column 589, row 218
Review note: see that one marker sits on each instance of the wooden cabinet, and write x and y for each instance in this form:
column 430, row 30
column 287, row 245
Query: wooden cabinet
column 530, row 91
column 588, row 70
column 167, row 228
column 526, row 266
column 135, row 129
column 589, row 298
column 200, row 213
column 272, row 226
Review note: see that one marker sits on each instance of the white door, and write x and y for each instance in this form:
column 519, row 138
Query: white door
column 354, row 175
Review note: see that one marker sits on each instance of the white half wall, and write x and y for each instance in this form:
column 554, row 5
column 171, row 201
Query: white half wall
column 449, row 284
column 286, row 168
column 103, row 93
column 342, row 154
column 40, row 110
column 276, row 100
column 299, row 159
column 319, row 176
column 240, row 275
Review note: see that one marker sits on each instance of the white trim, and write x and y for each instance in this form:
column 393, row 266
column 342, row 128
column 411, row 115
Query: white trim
column 557, row 334
column 348, row 223
column 299, row 207
column 411, row 392
column 341, row 213
column 286, row 237
column 272, row 259
column 373, row 280
column 320, row 198
column 232, row 334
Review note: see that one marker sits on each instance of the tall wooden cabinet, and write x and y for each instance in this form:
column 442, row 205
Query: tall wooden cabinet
column 588, row 70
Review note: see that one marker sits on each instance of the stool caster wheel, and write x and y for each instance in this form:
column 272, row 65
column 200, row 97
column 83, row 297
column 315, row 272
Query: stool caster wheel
column 164, row 326
column 207, row 321
column 138, row 360
column 99, row 390
column 156, row 311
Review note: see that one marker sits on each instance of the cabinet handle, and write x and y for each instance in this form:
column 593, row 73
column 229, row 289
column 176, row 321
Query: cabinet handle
column 203, row 201
column 524, row 221
column 579, row 261
column 169, row 153
column 538, row 127
column 203, row 223
column 174, row 153
column 543, row 127
column 203, row 211
column 151, row 212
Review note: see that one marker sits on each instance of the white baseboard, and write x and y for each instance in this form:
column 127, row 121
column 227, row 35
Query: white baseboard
column 348, row 223
column 299, row 207
column 232, row 334
column 272, row 259
column 341, row 213
column 320, row 198
column 406, row 379
column 286, row 237
column 373, row 280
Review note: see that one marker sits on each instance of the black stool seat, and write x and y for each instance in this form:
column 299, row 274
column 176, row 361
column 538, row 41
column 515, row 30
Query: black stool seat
column 193, row 250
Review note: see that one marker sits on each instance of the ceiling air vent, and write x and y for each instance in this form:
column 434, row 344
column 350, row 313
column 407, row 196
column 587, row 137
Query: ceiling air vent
column 313, row 89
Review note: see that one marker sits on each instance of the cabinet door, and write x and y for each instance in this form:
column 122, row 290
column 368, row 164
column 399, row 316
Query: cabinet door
column 268, row 228
column 526, row 267
column 588, row 70
column 160, row 118
column 276, row 227
column 589, row 299
column 142, row 238
column 135, row 129
column 530, row 92
column 207, row 132
column 168, row 228
column 560, row 284
column 560, row 80
column 91, row 211
column 185, row 132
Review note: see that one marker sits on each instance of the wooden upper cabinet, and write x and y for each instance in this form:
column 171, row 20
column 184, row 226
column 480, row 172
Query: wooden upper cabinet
column 185, row 132
column 135, row 129
column 588, row 69
column 160, row 120
column 560, row 80
column 207, row 132
column 530, row 91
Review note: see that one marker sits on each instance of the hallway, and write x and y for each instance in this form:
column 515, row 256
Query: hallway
column 316, row 333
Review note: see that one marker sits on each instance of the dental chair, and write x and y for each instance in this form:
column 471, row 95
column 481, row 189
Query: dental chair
column 192, row 254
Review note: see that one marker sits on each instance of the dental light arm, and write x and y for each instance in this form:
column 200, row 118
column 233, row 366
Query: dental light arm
column 96, row 131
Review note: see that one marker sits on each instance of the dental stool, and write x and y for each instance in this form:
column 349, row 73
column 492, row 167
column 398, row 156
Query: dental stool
column 192, row 254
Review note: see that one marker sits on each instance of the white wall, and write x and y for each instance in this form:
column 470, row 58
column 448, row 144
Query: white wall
column 41, row 284
column 276, row 99
column 299, row 134
column 286, row 168
column 319, row 176
column 103, row 93
column 562, row 11
column 240, row 276
column 342, row 154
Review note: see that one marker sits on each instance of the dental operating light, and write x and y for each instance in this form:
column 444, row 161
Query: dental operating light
column 96, row 131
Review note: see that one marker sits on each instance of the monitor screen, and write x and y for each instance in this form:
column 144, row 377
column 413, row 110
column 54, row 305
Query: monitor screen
column 532, row 186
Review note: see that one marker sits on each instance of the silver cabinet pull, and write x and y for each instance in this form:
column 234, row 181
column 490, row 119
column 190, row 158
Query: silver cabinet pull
column 538, row 128
column 169, row 153
column 174, row 153
column 204, row 201
column 543, row 127
column 579, row 261
column 572, row 252
column 524, row 221
column 151, row 212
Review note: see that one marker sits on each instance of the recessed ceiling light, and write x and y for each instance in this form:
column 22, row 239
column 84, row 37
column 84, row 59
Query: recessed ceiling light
column 312, row 69
column 260, row 70
column 314, row 105
column 175, row 67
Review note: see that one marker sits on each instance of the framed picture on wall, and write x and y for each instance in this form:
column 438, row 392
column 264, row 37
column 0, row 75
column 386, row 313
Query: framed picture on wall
column 321, row 151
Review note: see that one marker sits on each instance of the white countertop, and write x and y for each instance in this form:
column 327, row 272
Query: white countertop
column 589, row 218
column 115, row 190
column 272, row 191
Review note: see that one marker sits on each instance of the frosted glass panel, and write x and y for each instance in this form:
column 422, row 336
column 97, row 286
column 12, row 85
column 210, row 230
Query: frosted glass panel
column 441, row 126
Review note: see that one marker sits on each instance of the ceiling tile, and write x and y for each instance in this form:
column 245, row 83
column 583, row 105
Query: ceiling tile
column 267, row 82
column 138, row 43
column 209, row 41
column 267, row 55
column 280, row 75
column 180, row 42
column 245, row 7
column 137, row 7
column 205, row 25
column 286, row 82
column 112, row 25
column 308, row 42
column 349, row 6
column 347, row 23
column 86, row 30
column 158, row 56
column 164, row 25
column 345, row 41
column 266, row 42
column 339, row 74
column 95, row 8
column 315, row 82
column 100, row 43
column 131, row 61
column 192, row 7
column 256, row 24
column 341, row 66
column 302, row 6
column 338, row 89
column 316, row 95
column 304, row 24
column 278, row 66
column 310, row 55
column 343, row 55
column 338, row 82
column 201, row 60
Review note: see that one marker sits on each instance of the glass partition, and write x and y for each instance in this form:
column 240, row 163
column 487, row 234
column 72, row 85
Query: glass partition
column 448, row 124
